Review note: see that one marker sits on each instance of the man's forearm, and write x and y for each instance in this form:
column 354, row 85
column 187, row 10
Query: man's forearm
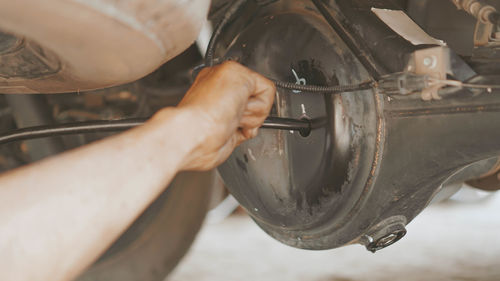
column 82, row 200
column 59, row 215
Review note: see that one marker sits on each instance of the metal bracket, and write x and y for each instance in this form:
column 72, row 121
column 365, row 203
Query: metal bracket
column 433, row 63
column 403, row 83
column 483, row 33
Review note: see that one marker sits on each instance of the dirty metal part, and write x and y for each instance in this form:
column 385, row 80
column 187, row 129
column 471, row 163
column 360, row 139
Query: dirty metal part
column 376, row 157
column 480, row 10
column 403, row 83
column 420, row 70
column 351, row 39
column 490, row 181
column 296, row 87
column 441, row 19
column 486, row 60
column 314, row 180
column 384, row 234
column 433, row 63
column 303, row 126
column 455, row 183
column 369, row 38
column 475, row 170
column 483, row 33
column 487, row 17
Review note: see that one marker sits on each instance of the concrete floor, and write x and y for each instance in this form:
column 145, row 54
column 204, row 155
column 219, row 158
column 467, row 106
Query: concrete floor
column 448, row 241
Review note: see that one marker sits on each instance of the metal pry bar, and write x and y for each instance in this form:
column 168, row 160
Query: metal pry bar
column 301, row 125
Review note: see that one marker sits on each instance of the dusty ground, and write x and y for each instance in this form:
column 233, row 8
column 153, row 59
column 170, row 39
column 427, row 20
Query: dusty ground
column 448, row 241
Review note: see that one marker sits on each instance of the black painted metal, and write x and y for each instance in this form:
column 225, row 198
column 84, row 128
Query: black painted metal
column 352, row 39
column 377, row 161
column 304, row 126
column 294, row 186
column 387, row 49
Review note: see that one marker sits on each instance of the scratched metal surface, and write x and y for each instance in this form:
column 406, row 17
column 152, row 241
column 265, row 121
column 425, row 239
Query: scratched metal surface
column 295, row 187
column 448, row 241
column 379, row 160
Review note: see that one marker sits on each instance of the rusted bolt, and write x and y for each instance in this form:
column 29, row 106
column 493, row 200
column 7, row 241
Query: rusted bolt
column 384, row 234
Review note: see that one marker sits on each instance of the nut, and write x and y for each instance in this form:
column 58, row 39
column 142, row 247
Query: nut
column 430, row 62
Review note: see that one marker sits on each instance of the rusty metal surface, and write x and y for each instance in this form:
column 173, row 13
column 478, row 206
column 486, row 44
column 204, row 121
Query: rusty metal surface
column 435, row 63
column 489, row 181
column 303, row 183
column 379, row 160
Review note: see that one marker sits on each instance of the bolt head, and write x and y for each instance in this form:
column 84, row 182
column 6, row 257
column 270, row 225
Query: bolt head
column 429, row 62
column 386, row 241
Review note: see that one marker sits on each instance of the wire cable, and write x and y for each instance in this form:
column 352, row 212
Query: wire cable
column 230, row 15
column 480, row 86
column 460, row 84
column 325, row 89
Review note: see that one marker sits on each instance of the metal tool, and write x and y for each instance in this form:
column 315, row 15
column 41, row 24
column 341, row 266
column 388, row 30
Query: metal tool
column 280, row 123
column 302, row 125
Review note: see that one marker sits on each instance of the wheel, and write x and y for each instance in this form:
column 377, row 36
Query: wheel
column 160, row 237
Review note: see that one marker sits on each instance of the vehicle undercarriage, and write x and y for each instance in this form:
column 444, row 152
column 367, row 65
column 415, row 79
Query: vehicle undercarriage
column 372, row 158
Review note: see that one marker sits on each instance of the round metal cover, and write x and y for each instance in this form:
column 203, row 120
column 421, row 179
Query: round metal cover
column 302, row 189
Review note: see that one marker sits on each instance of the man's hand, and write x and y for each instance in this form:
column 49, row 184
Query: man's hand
column 58, row 215
column 226, row 106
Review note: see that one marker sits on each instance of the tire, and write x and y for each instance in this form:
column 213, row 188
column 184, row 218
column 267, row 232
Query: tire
column 160, row 237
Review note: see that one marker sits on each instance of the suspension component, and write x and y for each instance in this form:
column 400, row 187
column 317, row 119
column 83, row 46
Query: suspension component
column 487, row 19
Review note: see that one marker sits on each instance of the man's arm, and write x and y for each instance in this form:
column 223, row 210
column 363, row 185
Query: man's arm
column 57, row 216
